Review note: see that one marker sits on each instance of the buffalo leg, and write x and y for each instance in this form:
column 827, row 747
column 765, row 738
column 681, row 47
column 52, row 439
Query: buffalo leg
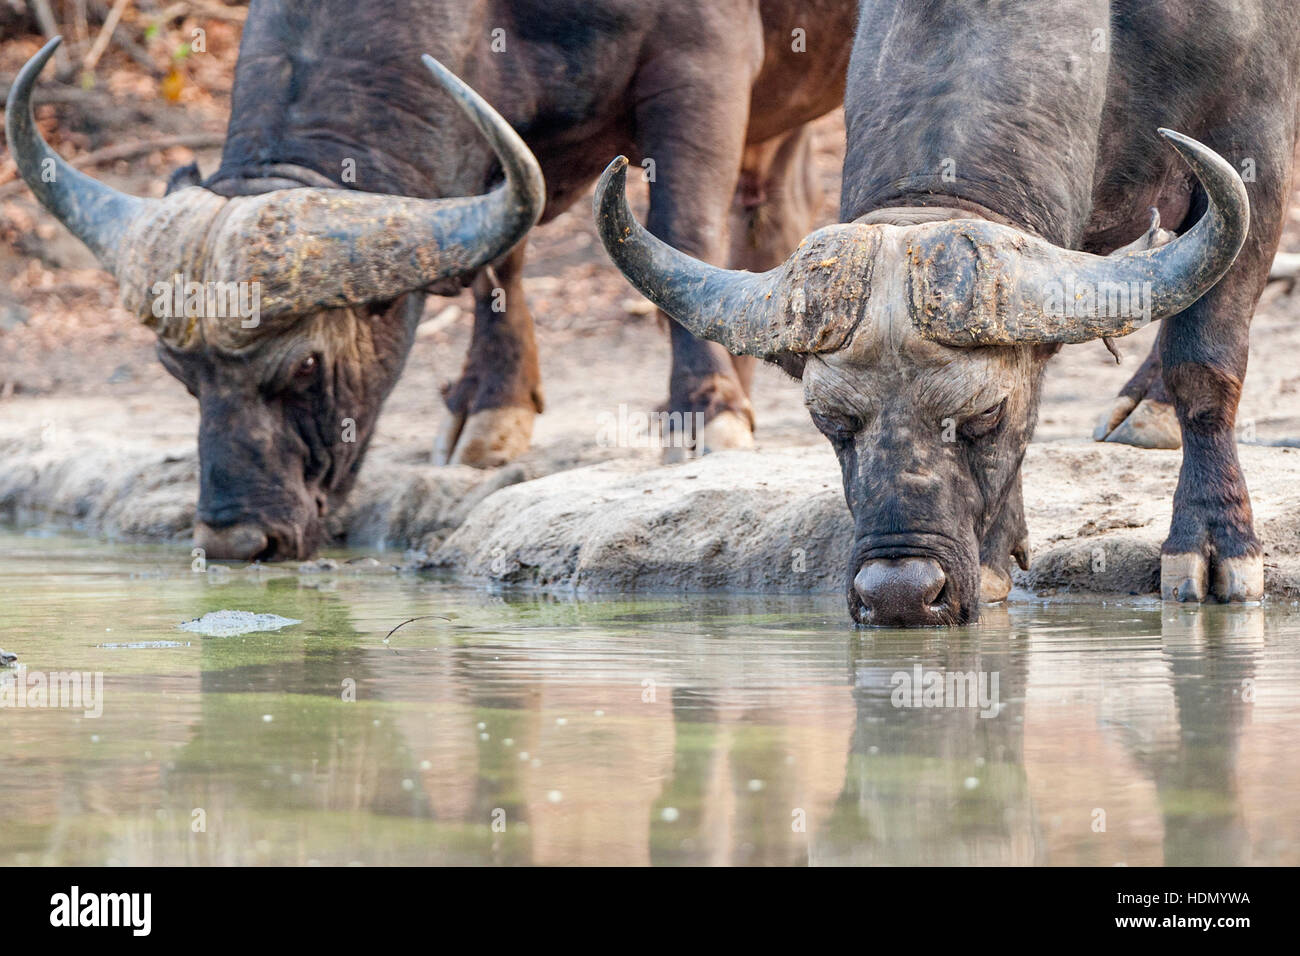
column 1143, row 414
column 1212, row 548
column 694, row 135
column 493, row 404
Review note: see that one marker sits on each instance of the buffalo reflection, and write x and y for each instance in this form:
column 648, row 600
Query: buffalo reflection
column 729, row 732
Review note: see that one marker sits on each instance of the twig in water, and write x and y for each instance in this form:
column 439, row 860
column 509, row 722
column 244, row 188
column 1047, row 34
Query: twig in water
column 426, row 617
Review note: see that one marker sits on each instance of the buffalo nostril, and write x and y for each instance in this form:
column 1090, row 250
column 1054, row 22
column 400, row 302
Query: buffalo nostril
column 238, row 542
column 901, row 591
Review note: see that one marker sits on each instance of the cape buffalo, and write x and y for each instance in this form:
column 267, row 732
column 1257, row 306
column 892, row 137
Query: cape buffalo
column 331, row 104
column 996, row 152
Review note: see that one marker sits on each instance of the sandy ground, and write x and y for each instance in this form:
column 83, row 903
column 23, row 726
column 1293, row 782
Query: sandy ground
column 95, row 435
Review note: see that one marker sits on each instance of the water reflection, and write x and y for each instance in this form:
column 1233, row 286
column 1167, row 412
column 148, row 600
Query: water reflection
column 755, row 730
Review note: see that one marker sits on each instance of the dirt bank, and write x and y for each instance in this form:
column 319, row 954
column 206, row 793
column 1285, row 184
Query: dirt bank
column 776, row 521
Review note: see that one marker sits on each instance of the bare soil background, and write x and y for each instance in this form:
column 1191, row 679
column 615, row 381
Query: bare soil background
column 96, row 436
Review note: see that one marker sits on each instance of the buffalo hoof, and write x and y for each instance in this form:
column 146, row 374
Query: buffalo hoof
column 726, row 431
column 444, row 445
column 1145, row 424
column 995, row 585
column 486, row 439
column 1191, row 577
column 1113, row 416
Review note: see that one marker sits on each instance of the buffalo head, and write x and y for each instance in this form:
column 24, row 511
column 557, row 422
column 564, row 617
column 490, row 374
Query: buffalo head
column 287, row 313
column 920, row 339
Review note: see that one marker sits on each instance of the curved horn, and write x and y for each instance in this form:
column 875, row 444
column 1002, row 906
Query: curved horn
column 493, row 224
column 93, row 212
column 313, row 248
column 309, row 247
column 729, row 307
column 747, row 313
column 979, row 283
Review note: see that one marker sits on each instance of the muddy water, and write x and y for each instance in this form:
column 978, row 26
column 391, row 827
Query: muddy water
column 667, row 730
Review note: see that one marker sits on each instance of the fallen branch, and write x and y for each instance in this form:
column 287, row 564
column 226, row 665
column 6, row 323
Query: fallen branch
column 111, row 154
column 218, row 12
column 105, row 35
column 61, row 93
column 212, row 11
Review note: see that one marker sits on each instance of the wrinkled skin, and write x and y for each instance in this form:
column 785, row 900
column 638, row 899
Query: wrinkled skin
column 285, row 426
column 930, row 441
column 316, row 92
column 1044, row 124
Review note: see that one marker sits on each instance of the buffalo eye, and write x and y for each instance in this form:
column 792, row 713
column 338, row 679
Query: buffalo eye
column 305, row 372
column 977, row 426
column 840, row 431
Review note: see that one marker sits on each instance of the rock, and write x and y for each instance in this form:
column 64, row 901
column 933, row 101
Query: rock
column 232, row 623
column 91, row 483
column 1114, row 565
column 777, row 521
column 735, row 520
column 318, row 566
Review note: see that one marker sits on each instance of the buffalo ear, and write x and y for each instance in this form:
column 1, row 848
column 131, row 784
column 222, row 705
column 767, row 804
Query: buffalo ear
column 183, row 177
